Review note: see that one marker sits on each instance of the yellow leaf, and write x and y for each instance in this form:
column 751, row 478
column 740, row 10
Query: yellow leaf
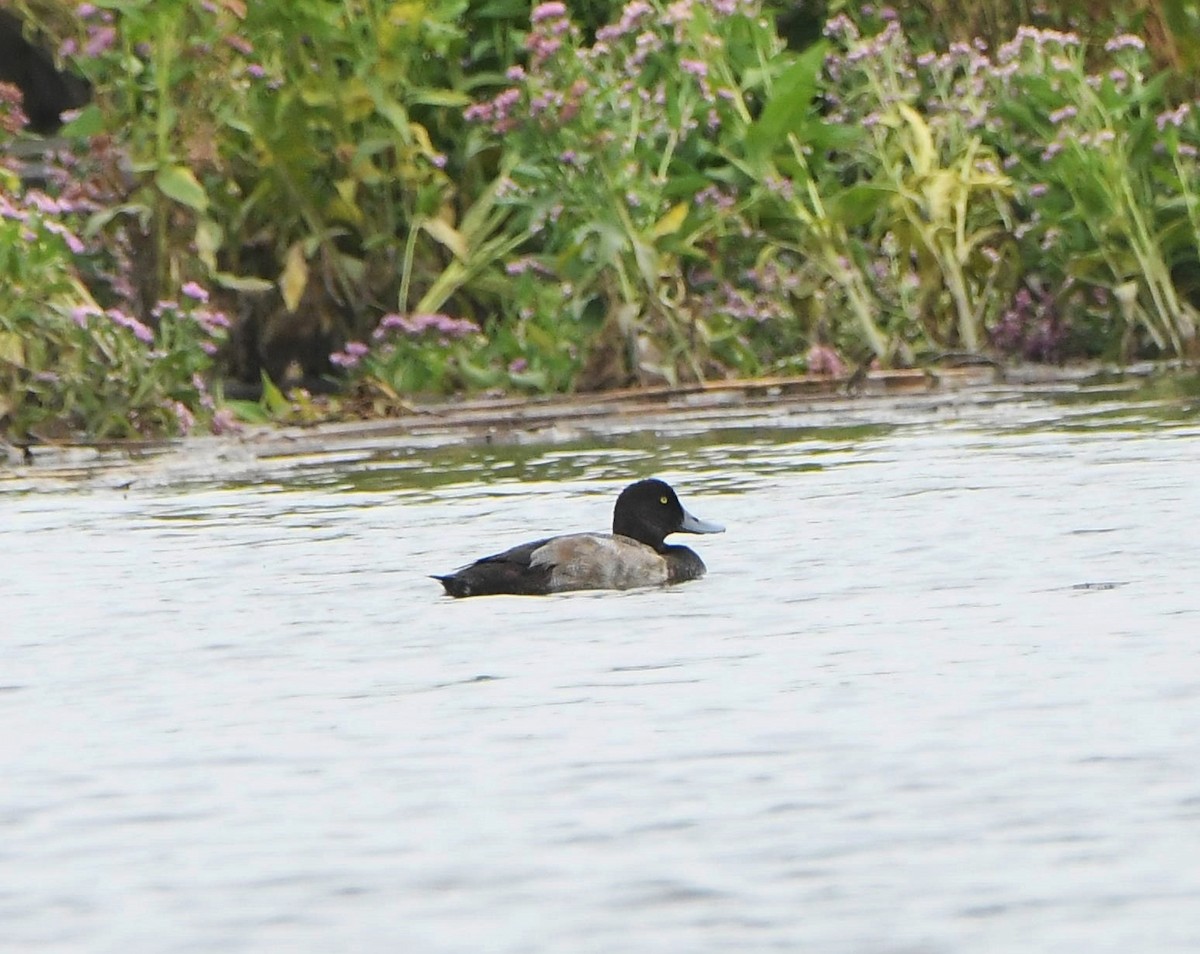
column 12, row 349
column 344, row 206
column 670, row 223
column 939, row 189
column 209, row 236
column 924, row 155
column 294, row 279
column 445, row 233
column 180, row 183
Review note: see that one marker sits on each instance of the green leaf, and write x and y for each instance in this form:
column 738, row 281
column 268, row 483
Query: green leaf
column 249, row 412
column 790, row 107
column 243, row 283
column 438, row 97
column 90, row 122
column 12, row 349
column 856, row 205
column 274, row 401
column 180, row 183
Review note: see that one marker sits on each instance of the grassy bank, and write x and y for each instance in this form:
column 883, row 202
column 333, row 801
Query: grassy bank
column 432, row 198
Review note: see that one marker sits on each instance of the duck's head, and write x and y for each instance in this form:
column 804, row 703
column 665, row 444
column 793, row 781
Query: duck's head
column 649, row 511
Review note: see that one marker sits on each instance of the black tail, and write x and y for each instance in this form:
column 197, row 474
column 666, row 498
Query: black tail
column 454, row 586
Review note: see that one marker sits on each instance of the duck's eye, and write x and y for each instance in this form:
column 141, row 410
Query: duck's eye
column 662, row 500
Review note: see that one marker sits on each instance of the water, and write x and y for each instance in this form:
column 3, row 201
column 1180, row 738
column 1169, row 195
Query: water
column 940, row 692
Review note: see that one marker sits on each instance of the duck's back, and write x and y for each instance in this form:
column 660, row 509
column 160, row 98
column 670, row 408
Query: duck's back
column 508, row 572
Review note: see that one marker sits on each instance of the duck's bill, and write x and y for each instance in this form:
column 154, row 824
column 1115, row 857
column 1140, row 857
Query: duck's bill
column 696, row 525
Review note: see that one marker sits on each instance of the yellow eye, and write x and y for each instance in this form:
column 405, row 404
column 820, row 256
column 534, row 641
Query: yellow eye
column 662, row 500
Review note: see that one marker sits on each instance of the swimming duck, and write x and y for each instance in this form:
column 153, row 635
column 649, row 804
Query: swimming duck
column 634, row 554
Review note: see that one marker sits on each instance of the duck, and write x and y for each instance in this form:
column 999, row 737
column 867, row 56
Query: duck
column 635, row 554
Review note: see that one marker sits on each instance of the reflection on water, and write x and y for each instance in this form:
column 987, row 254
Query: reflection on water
column 940, row 692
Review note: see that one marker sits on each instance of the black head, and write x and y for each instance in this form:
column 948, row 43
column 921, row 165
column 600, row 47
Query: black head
column 649, row 510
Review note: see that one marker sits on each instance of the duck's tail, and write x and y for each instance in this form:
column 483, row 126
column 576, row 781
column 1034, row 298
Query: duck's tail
column 454, row 586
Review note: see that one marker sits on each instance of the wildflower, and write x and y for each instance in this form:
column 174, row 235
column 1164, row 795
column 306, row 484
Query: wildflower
column 81, row 313
column 517, row 366
column 551, row 10
column 697, row 68
column 72, row 240
column 195, row 292
column 241, row 44
column 213, row 322
column 1173, row 117
column 350, row 355
column 822, row 359
column 1067, row 112
column 183, row 416
column 478, row 113
column 99, row 40
column 1038, row 189
column 256, row 71
column 418, row 324
column 781, row 187
column 1125, row 41
column 224, row 422
column 140, row 331
column 635, row 11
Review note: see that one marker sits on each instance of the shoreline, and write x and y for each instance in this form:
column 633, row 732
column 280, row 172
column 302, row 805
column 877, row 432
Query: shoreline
column 802, row 401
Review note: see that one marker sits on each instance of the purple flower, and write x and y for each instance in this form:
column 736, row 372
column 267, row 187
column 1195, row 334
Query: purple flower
column 194, row 291
column 213, row 322
column 223, row 422
column 418, row 324
column 824, row 360
column 551, row 10
column 351, row 355
column 72, row 240
column 100, row 40
column 517, row 365
column 478, row 113
column 1125, row 41
column 1173, row 117
column 241, row 44
column 81, row 313
column 635, row 11
column 183, row 416
column 140, row 331
column 697, row 68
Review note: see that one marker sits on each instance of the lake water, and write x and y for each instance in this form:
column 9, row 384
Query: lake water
column 940, row 692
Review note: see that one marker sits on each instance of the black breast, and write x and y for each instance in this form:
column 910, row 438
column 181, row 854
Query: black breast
column 683, row 564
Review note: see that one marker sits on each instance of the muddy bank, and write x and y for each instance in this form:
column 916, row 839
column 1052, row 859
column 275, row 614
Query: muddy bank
column 890, row 398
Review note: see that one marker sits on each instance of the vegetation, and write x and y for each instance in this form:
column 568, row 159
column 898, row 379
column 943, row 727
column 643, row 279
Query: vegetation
column 450, row 195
